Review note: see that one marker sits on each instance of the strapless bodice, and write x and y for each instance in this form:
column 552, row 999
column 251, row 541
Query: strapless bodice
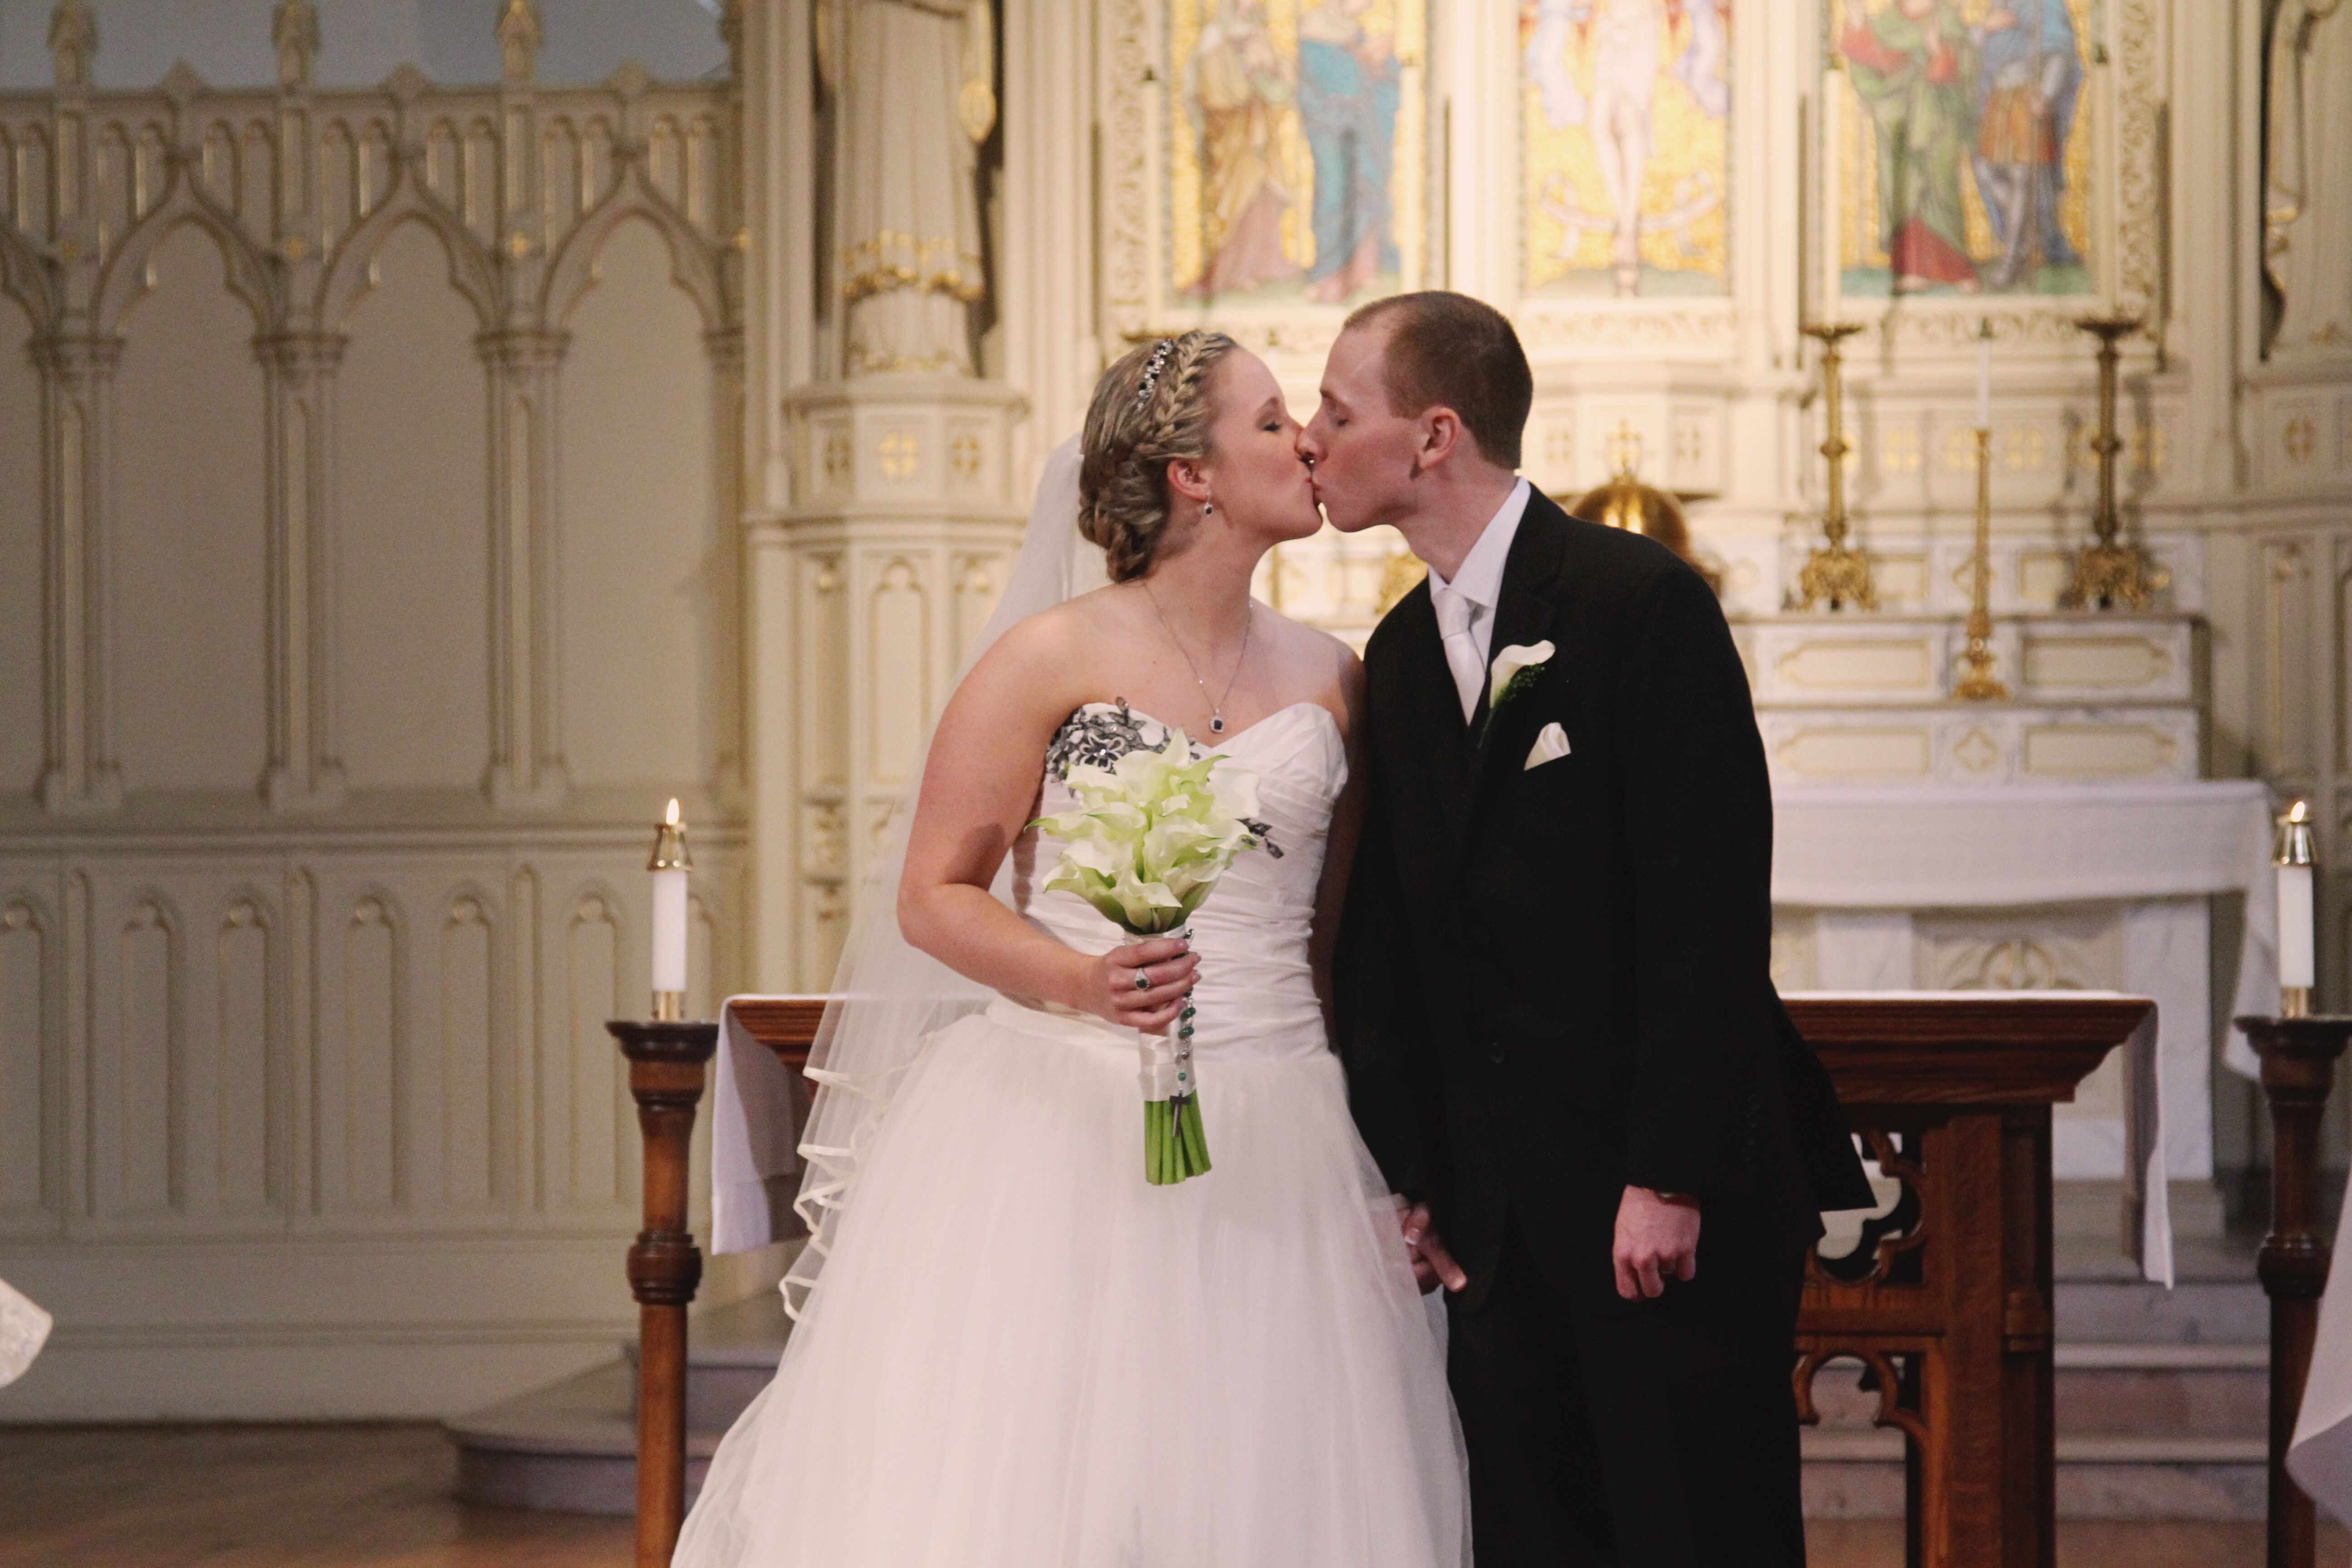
column 1257, row 991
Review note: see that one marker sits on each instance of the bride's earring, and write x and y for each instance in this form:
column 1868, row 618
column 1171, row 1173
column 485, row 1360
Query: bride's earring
column 1208, row 507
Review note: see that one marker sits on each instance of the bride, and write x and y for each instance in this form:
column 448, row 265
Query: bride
column 1020, row 1354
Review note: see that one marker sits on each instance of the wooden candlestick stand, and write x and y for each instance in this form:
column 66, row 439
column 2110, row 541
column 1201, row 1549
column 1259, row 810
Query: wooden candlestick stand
column 667, row 1062
column 2298, row 1066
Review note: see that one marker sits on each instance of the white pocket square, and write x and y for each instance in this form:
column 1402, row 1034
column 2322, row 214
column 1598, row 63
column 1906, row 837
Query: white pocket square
column 1549, row 747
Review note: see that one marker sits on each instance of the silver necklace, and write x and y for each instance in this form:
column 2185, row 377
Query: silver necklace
column 1216, row 704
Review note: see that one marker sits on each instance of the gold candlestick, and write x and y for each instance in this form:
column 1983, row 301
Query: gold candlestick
column 1834, row 573
column 1978, row 684
column 2109, row 573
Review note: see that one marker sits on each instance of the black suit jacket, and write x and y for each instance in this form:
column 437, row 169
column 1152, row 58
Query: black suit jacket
column 1555, row 981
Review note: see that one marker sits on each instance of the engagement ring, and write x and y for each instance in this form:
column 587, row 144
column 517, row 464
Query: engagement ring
column 1143, row 981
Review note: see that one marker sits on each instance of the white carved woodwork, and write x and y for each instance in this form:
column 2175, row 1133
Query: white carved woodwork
column 901, row 535
column 366, row 464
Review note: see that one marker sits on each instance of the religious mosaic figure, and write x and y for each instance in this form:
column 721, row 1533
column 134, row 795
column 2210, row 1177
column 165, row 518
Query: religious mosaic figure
column 1626, row 42
column 1239, row 82
column 2028, row 74
column 1700, row 66
column 1911, row 65
column 1348, row 97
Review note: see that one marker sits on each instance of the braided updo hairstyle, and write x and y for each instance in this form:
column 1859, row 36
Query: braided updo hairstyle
column 1150, row 409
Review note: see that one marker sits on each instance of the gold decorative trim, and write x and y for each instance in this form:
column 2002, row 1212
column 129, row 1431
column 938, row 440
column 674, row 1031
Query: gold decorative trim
column 891, row 260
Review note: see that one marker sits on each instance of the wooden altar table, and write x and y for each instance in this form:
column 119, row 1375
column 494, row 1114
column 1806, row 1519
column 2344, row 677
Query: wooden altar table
column 1947, row 1300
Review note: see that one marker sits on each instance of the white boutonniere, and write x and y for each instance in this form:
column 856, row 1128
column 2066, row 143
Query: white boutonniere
column 1514, row 669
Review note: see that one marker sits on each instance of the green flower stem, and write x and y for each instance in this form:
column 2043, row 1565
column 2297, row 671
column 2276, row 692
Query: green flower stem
column 1196, row 1138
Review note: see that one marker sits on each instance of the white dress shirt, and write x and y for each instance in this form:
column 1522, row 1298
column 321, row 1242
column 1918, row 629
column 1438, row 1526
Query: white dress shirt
column 1476, row 588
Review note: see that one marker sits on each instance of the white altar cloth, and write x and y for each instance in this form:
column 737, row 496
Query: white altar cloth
column 755, row 1134
column 1900, row 846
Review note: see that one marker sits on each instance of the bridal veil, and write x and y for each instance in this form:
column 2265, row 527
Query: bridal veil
column 887, row 998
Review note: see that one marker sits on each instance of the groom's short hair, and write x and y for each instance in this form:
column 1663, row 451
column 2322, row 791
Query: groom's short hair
column 1447, row 348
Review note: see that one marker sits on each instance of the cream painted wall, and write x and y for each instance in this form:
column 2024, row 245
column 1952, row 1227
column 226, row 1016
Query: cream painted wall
column 413, row 574
column 20, row 556
column 189, row 557
column 653, row 567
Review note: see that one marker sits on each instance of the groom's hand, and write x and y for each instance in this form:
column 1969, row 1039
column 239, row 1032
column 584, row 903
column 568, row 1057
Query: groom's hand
column 1431, row 1264
column 1657, row 1239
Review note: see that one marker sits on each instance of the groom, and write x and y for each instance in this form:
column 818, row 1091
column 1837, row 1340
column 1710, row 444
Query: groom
column 1561, row 1038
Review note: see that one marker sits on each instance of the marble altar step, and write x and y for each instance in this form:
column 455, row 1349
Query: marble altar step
column 2162, row 1397
column 730, row 1353
column 1858, row 1474
column 570, row 1447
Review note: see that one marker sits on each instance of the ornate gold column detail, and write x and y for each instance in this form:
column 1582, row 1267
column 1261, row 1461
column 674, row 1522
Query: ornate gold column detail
column 1834, row 574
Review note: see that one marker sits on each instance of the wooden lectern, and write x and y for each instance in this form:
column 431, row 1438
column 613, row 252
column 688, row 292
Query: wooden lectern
column 1946, row 1301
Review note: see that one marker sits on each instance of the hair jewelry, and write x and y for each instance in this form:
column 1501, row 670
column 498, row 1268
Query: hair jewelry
column 1151, row 369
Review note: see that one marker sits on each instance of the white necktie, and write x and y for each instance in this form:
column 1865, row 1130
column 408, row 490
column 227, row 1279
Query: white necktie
column 1454, row 612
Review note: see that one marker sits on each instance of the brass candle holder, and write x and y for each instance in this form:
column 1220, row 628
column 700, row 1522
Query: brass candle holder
column 1833, row 573
column 2109, row 573
column 1977, row 683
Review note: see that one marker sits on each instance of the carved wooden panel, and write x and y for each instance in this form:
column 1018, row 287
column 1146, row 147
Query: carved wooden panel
column 26, row 948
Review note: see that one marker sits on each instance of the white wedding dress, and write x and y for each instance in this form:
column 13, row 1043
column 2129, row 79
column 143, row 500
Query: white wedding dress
column 1022, row 1355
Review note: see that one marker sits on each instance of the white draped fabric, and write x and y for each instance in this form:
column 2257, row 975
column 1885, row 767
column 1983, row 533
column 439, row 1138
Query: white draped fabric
column 755, row 1166
column 24, row 1328
column 2320, row 1458
column 1964, row 847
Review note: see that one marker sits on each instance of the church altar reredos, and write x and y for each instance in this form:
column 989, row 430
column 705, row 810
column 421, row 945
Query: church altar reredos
column 417, row 467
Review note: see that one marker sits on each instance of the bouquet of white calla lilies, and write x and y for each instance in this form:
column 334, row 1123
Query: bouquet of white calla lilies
column 1153, row 834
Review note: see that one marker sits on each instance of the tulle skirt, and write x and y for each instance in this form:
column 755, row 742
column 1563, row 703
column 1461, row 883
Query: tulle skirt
column 1022, row 1355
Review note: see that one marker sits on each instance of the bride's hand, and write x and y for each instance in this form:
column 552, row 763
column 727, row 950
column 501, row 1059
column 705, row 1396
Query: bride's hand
column 1108, row 988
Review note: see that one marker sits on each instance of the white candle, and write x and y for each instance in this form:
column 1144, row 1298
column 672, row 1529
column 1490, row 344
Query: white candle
column 2298, row 965
column 669, row 913
column 1984, row 376
column 1808, row 209
column 1827, row 185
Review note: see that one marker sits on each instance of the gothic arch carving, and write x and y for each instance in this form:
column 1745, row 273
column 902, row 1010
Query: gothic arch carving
column 572, row 270
column 26, row 280
column 125, row 280
column 347, row 280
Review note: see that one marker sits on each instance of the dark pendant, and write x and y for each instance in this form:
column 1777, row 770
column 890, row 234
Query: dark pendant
column 1217, row 724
